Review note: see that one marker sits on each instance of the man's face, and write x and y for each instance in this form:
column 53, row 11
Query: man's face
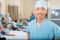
column 0, row 18
column 17, row 21
column 40, row 12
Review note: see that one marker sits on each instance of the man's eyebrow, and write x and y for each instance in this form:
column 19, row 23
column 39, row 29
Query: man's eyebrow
column 42, row 7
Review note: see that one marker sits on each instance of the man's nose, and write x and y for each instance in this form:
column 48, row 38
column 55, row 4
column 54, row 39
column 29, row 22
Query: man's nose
column 39, row 11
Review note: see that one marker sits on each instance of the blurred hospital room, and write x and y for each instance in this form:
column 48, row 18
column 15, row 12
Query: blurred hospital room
column 16, row 14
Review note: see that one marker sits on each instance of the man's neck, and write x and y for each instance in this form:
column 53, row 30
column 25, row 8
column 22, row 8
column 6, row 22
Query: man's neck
column 39, row 21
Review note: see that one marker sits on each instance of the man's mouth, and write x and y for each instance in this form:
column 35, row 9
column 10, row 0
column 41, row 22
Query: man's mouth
column 40, row 14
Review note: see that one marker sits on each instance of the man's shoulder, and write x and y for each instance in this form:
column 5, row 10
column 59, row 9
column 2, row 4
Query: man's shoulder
column 51, row 23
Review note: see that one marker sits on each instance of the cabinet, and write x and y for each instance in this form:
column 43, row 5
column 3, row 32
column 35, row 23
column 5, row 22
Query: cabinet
column 54, row 11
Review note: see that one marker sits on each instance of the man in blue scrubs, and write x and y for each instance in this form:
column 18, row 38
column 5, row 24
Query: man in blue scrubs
column 1, row 27
column 41, row 27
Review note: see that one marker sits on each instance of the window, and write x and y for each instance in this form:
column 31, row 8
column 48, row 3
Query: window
column 55, row 16
column 13, row 11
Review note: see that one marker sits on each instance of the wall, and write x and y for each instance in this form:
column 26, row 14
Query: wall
column 54, row 4
column 14, row 2
column 3, row 9
column 26, row 7
column 29, row 7
column 22, row 10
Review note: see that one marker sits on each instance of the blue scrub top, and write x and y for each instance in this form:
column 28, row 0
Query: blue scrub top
column 47, row 30
column 0, row 28
column 0, row 23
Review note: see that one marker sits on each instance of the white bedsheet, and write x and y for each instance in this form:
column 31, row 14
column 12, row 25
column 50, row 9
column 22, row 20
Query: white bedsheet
column 18, row 35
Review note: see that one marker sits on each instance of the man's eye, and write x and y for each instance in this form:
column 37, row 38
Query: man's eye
column 37, row 9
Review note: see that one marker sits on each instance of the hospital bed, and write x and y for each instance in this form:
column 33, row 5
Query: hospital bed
column 19, row 35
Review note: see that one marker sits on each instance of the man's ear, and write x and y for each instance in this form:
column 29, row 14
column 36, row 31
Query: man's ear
column 46, row 14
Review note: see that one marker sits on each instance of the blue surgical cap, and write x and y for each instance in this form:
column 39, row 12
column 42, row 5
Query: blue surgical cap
column 41, row 3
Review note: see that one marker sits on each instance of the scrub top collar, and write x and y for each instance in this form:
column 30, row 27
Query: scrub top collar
column 40, row 24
